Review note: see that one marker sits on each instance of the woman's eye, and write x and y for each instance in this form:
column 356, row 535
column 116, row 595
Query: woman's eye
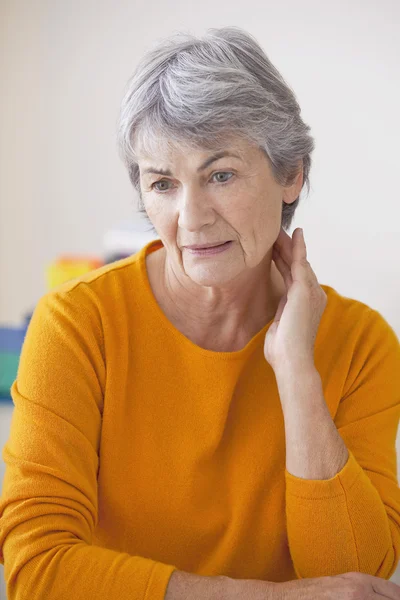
column 165, row 182
column 157, row 183
column 223, row 173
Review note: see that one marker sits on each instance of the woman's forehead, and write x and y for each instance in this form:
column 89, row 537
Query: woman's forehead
column 167, row 151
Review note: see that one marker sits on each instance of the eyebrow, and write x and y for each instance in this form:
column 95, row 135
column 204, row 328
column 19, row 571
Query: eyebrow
column 203, row 166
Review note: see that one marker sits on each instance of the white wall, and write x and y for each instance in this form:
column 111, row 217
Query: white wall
column 63, row 69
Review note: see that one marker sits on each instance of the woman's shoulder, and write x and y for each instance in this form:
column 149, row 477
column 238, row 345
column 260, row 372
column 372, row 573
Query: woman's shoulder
column 83, row 306
column 340, row 303
column 347, row 318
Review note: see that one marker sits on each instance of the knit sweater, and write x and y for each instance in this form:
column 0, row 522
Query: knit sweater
column 134, row 452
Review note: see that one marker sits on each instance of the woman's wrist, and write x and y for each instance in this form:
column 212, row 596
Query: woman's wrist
column 183, row 585
column 253, row 589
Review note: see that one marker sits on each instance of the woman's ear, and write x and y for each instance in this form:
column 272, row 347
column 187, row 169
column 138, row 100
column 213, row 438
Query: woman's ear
column 291, row 192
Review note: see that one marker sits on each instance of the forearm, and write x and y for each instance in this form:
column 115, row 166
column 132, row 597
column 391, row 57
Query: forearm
column 314, row 447
column 183, row 585
column 335, row 523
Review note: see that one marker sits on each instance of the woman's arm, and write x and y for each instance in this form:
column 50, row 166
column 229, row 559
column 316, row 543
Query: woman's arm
column 49, row 503
column 183, row 585
column 344, row 514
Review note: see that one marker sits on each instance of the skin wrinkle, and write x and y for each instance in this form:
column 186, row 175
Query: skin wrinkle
column 219, row 302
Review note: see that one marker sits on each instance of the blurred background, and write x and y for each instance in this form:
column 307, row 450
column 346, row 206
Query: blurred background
column 66, row 203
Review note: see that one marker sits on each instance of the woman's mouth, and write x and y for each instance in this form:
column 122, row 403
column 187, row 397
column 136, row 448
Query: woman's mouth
column 211, row 250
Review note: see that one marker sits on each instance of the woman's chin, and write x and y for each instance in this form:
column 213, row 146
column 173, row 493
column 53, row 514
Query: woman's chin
column 209, row 276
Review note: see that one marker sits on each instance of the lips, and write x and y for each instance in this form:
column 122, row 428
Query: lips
column 210, row 245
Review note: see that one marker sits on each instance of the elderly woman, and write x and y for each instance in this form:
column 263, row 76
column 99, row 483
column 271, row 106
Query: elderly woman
column 203, row 419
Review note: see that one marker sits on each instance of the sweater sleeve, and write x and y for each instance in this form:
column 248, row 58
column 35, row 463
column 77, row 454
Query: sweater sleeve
column 351, row 522
column 48, row 507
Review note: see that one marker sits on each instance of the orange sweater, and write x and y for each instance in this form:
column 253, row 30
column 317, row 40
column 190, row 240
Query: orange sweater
column 134, row 452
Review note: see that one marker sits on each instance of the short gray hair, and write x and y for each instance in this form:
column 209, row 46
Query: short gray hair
column 197, row 92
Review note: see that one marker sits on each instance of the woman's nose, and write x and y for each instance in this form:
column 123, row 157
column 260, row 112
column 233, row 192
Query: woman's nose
column 195, row 210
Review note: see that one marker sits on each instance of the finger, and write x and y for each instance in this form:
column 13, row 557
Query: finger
column 301, row 268
column 385, row 589
column 299, row 251
column 283, row 268
column 284, row 244
column 281, row 306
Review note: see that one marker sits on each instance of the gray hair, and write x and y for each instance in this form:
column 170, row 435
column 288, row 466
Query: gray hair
column 198, row 92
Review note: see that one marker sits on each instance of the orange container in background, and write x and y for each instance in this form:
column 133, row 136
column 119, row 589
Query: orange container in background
column 68, row 267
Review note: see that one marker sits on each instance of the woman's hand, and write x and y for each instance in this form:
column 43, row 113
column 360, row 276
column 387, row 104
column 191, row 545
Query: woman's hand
column 290, row 338
column 349, row 586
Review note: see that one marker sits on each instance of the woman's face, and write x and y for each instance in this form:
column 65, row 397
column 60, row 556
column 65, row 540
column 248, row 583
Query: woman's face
column 202, row 199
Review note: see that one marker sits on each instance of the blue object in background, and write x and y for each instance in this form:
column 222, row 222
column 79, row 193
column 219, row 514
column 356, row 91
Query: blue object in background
column 11, row 340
